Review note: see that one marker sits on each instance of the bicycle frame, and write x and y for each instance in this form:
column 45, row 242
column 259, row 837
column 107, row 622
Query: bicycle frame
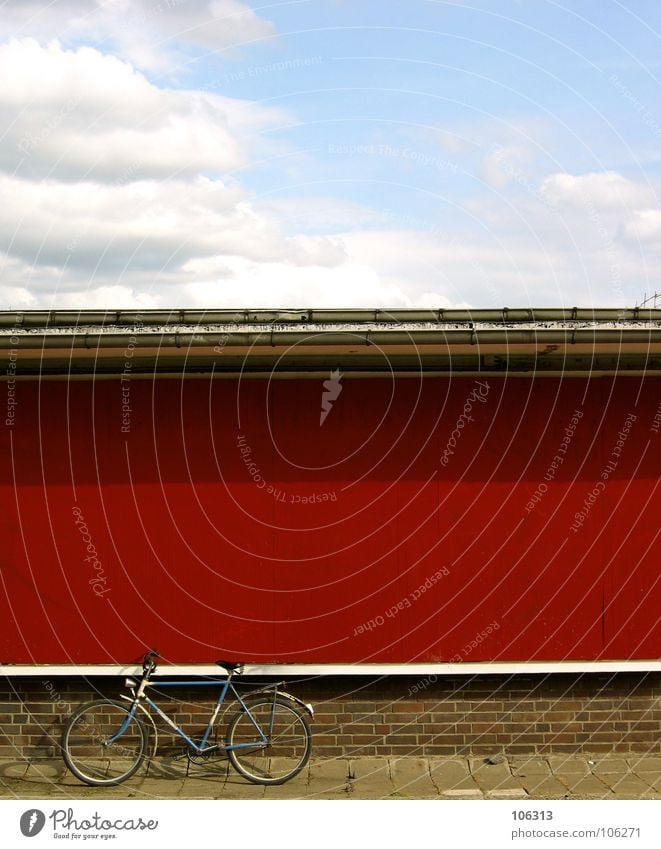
column 201, row 748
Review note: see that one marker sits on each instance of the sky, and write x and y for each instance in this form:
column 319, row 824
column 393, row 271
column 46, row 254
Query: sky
column 329, row 153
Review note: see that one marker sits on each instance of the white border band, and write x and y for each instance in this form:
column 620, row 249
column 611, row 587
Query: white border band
column 328, row 669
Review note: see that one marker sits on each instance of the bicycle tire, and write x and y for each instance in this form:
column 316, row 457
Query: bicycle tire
column 85, row 750
column 288, row 748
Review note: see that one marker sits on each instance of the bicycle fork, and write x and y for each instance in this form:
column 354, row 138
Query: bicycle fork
column 136, row 705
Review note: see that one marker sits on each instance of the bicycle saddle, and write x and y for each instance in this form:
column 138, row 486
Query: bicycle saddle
column 228, row 665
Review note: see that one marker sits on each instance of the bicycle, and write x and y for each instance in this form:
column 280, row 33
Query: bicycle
column 268, row 738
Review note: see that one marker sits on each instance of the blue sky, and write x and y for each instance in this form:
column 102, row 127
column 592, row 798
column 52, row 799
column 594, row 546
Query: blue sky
column 329, row 153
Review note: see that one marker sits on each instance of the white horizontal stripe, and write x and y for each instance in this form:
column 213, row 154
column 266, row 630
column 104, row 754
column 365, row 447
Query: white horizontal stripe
column 326, row 669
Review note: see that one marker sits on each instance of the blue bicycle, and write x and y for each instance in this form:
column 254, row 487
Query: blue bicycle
column 268, row 738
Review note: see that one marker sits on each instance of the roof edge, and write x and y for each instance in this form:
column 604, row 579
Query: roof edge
column 185, row 316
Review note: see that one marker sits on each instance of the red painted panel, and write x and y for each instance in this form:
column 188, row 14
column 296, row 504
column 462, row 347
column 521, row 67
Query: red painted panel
column 443, row 519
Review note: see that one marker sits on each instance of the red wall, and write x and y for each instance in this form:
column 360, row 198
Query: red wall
column 197, row 558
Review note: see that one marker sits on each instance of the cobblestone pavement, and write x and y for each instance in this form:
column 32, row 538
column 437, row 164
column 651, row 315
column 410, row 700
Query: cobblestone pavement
column 516, row 778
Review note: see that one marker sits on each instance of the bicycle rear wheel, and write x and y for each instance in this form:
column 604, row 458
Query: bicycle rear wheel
column 288, row 741
column 87, row 748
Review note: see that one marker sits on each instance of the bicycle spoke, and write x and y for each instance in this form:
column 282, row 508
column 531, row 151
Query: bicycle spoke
column 268, row 740
column 88, row 747
column 288, row 745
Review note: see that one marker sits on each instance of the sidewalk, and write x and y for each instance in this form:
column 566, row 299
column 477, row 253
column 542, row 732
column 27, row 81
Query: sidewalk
column 516, row 778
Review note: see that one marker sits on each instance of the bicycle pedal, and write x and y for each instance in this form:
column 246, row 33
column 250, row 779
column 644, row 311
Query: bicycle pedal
column 205, row 757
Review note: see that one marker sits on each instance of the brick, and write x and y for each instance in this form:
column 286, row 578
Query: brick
column 638, row 737
column 403, row 719
column 438, row 750
column 559, row 716
column 445, row 739
column 567, row 704
column 527, row 714
column 360, row 739
column 8, row 752
column 488, row 715
column 446, row 728
column 601, row 737
column 38, row 707
column 401, row 739
column 358, row 729
column 590, row 746
column 646, row 748
column 529, row 738
column 486, row 727
column 325, row 718
column 360, row 707
column 408, row 707
column 325, row 739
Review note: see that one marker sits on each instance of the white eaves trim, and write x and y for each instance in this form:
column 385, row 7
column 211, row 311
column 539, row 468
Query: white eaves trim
column 328, row 669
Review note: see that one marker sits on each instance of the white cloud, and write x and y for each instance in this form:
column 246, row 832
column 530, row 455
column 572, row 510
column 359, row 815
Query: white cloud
column 452, row 142
column 502, row 152
column 104, row 297
column 504, row 165
column 201, row 243
column 116, row 193
column 605, row 191
column 149, row 33
column 277, row 284
column 574, row 239
column 318, row 214
column 445, row 269
column 145, row 225
column 645, row 227
column 128, row 216
column 80, row 113
column 17, row 298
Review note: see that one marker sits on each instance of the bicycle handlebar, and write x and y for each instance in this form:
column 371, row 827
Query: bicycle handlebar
column 149, row 664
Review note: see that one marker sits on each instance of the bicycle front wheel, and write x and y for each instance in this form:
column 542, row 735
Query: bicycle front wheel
column 93, row 751
column 287, row 747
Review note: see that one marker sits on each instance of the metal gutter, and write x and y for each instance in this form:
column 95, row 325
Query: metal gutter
column 187, row 329
column 38, row 343
column 91, row 339
column 77, row 318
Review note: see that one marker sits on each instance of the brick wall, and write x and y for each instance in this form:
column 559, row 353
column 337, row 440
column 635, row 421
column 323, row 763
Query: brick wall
column 390, row 716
